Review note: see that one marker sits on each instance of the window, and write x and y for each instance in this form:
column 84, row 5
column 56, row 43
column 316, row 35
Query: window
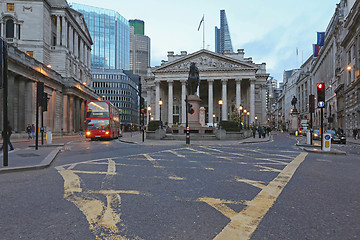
column 10, row 28
column 10, row 7
column 30, row 53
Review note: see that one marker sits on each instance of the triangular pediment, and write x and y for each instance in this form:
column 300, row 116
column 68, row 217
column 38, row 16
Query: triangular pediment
column 206, row 61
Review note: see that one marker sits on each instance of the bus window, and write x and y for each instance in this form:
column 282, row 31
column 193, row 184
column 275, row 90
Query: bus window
column 97, row 110
column 96, row 124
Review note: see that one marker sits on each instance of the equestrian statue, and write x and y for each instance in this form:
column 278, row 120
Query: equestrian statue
column 193, row 80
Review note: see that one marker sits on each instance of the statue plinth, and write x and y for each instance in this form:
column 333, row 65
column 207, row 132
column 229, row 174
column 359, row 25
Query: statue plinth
column 194, row 119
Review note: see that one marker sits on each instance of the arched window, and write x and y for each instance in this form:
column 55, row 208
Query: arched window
column 10, row 28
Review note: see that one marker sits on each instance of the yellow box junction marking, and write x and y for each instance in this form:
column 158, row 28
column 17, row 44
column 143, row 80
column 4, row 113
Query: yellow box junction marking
column 103, row 217
column 243, row 224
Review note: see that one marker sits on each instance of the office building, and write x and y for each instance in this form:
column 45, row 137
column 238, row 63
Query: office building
column 110, row 33
column 222, row 36
column 139, row 48
column 116, row 86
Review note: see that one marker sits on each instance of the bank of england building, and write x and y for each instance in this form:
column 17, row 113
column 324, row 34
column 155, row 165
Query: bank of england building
column 230, row 77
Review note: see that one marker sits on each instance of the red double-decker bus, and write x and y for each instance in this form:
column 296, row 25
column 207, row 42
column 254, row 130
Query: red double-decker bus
column 102, row 120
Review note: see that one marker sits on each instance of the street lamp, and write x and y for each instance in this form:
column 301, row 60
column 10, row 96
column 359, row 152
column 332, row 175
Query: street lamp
column 244, row 112
column 148, row 113
column 241, row 109
column 160, row 103
column 220, row 103
column 248, row 115
column 256, row 120
column 214, row 116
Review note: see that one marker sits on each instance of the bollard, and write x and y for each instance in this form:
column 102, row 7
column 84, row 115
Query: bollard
column 48, row 138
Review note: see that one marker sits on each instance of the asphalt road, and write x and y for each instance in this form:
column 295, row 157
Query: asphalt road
column 113, row 190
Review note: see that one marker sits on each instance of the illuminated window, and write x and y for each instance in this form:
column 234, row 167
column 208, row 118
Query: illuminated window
column 10, row 7
column 30, row 53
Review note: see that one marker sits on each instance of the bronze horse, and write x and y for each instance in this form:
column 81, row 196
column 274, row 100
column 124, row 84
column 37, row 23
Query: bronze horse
column 193, row 79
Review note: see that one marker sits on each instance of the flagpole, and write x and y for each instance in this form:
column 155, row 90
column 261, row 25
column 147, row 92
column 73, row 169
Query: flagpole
column 204, row 32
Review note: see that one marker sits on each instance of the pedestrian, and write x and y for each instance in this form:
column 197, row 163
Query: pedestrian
column 264, row 132
column 355, row 133
column 33, row 131
column 9, row 132
column 254, row 131
column 259, row 131
column 28, row 130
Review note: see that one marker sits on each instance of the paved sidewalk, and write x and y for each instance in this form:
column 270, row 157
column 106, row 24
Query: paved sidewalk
column 28, row 158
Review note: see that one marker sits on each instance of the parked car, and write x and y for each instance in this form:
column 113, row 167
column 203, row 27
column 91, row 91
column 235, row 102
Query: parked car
column 316, row 134
column 337, row 137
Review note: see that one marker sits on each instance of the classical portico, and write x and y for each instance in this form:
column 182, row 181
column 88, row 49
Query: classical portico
column 232, row 78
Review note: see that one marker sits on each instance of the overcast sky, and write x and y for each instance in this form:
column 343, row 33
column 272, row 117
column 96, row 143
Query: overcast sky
column 269, row 31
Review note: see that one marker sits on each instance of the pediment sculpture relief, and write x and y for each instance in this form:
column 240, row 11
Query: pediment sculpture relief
column 204, row 62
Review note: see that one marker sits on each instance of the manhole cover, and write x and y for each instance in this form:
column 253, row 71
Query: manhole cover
column 28, row 155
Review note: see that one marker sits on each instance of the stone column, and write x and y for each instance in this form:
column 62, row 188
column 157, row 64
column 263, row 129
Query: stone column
column 82, row 115
column 263, row 105
column 238, row 93
column 65, row 123
column 28, row 103
column 81, row 46
column 183, row 104
column 58, row 33
column 52, row 110
column 76, row 44
column 211, row 101
column 170, row 102
column 252, row 100
column 85, row 55
column 64, row 32
column 77, row 113
column 224, row 116
column 71, row 114
column 15, row 30
column 157, row 99
column 89, row 58
column 21, row 121
column 2, row 33
column 11, row 100
column 71, row 39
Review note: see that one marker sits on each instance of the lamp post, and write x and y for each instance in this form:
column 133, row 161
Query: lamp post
column 160, row 103
column 214, row 116
column 244, row 112
column 248, row 115
column 148, row 115
column 256, row 120
column 220, row 103
column 241, row 109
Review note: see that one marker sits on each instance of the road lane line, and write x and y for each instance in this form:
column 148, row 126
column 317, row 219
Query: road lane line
column 243, row 224
column 175, row 153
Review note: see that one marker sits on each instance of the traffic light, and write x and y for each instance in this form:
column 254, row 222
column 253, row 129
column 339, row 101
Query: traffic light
column 44, row 102
column 40, row 93
column 311, row 103
column 320, row 92
column 143, row 111
column 191, row 110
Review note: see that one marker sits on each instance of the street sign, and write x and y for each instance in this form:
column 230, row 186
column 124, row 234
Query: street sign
column 321, row 104
column 327, row 142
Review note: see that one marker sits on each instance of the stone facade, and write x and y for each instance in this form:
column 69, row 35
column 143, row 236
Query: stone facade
column 338, row 66
column 231, row 77
column 48, row 42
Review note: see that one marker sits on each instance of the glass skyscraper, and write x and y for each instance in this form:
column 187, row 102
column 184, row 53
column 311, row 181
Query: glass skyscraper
column 110, row 33
column 222, row 35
